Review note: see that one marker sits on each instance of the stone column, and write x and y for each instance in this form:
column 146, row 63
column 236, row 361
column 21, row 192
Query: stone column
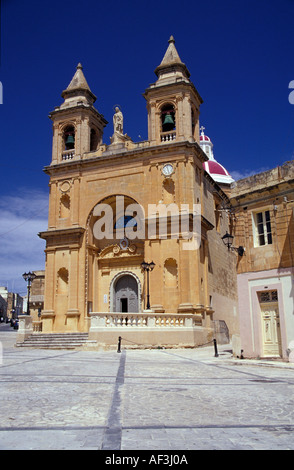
column 72, row 314
column 52, row 205
column 48, row 313
column 188, row 118
column 186, row 305
column 75, row 201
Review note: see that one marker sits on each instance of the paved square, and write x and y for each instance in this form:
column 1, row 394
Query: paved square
column 180, row 399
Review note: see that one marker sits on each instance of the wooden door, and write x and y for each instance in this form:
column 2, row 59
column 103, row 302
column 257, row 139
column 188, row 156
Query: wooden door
column 271, row 329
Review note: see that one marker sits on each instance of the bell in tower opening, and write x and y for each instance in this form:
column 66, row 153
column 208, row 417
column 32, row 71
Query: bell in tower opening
column 168, row 118
column 69, row 137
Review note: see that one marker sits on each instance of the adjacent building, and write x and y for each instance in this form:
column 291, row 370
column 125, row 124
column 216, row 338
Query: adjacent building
column 14, row 303
column 263, row 221
column 3, row 309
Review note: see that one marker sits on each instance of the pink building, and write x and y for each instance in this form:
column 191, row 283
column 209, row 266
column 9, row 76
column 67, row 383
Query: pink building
column 262, row 220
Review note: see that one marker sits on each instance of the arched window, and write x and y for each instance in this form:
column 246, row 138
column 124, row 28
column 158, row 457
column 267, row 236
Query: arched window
column 125, row 221
column 64, row 206
column 93, row 140
column 194, row 120
column 69, row 138
column 170, row 273
column 168, row 191
column 62, row 281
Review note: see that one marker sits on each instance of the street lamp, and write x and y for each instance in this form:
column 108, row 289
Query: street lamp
column 148, row 267
column 29, row 277
column 228, row 241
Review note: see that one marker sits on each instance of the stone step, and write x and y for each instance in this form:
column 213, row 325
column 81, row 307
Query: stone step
column 57, row 341
column 61, row 335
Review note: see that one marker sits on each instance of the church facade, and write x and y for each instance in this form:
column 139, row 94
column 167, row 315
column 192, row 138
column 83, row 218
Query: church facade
column 134, row 239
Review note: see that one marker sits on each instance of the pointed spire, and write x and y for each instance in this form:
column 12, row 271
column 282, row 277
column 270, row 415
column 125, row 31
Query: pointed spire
column 79, row 80
column 171, row 56
column 79, row 86
column 170, row 60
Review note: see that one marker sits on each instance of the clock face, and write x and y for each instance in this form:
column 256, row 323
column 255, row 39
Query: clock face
column 167, row 170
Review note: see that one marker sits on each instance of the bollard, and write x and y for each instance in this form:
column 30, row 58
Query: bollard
column 119, row 343
column 215, row 348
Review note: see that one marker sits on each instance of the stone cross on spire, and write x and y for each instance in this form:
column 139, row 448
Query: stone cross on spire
column 202, row 130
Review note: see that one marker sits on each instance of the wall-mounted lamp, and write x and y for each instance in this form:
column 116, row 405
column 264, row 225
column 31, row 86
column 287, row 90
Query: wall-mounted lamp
column 228, row 241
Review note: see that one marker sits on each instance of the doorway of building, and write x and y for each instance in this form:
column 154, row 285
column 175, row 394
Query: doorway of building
column 271, row 332
column 126, row 294
column 124, row 305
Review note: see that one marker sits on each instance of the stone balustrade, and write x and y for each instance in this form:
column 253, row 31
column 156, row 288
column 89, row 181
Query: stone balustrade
column 168, row 136
column 68, row 154
column 149, row 329
column 147, row 319
column 37, row 326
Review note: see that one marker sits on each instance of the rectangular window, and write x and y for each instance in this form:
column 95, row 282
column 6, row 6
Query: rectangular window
column 268, row 296
column 263, row 230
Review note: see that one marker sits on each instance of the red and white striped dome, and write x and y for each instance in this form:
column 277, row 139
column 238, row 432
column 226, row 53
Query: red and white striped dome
column 213, row 168
column 204, row 137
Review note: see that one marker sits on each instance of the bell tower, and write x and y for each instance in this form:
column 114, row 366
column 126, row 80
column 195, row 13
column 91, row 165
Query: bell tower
column 172, row 102
column 77, row 125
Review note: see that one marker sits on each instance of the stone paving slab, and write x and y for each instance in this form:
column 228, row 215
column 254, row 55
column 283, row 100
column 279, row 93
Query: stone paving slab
column 179, row 399
column 51, row 439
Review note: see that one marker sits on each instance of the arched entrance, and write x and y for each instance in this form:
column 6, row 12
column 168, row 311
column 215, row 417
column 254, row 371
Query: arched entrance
column 125, row 293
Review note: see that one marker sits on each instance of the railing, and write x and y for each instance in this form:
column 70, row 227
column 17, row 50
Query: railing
column 168, row 136
column 144, row 320
column 68, row 154
column 205, row 344
column 37, row 326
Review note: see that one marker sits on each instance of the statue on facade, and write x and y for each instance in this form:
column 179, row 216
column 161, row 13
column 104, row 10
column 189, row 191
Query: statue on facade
column 118, row 121
column 118, row 136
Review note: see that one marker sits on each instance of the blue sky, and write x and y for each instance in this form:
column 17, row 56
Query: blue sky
column 239, row 53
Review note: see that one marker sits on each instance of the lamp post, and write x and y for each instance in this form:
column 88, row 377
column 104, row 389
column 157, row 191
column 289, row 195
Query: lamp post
column 148, row 267
column 228, row 241
column 29, row 277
